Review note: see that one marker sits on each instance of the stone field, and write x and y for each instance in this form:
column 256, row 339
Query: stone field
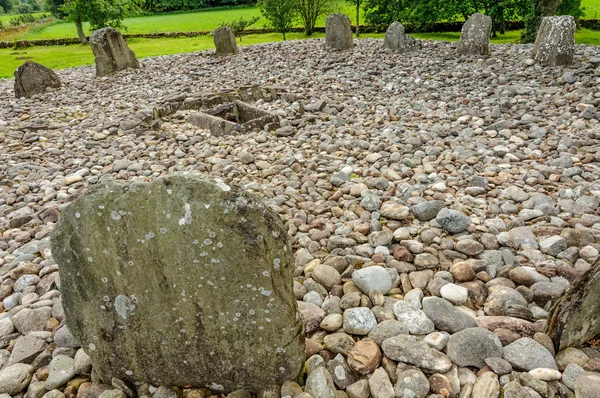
column 437, row 206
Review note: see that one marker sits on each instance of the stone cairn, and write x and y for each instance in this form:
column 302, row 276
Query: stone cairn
column 180, row 282
column 475, row 35
column 555, row 41
column 111, row 53
column 338, row 32
column 399, row 42
column 32, row 78
column 225, row 43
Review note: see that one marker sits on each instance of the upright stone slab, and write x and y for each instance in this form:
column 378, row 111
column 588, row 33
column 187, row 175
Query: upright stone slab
column 111, row 53
column 225, row 43
column 182, row 281
column 32, row 78
column 555, row 41
column 397, row 41
column 475, row 35
column 338, row 32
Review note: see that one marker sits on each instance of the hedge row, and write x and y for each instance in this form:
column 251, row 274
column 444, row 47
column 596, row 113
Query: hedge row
column 593, row 24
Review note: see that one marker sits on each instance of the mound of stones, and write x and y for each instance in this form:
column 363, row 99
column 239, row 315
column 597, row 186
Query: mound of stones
column 437, row 208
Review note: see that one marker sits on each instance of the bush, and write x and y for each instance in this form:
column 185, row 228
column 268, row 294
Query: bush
column 21, row 19
column 240, row 25
column 24, row 8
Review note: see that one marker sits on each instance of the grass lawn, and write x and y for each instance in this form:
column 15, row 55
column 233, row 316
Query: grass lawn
column 60, row 57
column 6, row 17
column 185, row 22
column 592, row 8
column 76, row 55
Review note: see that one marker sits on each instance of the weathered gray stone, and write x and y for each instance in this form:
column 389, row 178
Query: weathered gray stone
column 475, row 35
column 399, row 42
column 555, row 41
column 225, row 43
column 452, row 221
column 471, row 347
column 15, row 378
column 338, row 32
column 136, row 257
column 111, row 53
column 445, row 316
column 527, row 354
column 32, row 78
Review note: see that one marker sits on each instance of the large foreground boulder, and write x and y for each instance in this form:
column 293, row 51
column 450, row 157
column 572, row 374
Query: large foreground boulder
column 225, row 43
column 183, row 281
column 575, row 317
column 338, row 32
column 32, row 78
column 397, row 41
column 111, row 53
column 475, row 35
column 555, row 41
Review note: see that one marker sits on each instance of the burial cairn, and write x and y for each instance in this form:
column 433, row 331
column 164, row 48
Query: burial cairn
column 180, row 282
column 111, row 53
column 225, row 43
column 338, row 32
column 555, row 41
column 475, row 35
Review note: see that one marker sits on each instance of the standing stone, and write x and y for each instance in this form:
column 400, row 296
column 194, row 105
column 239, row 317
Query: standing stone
column 225, row 43
column 111, row 53
column 181, row 281
column 32, row 78
column 397, row 41
column 475, row 35
column 338, row 32
column 555, row 41
column 574, row 318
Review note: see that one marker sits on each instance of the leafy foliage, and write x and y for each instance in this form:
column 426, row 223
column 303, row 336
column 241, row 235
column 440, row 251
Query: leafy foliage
column 240, row 25
column 280, row 14
column 310, row 10
column 100, row 13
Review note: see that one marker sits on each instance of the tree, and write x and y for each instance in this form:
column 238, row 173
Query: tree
column 55, row 7
column 100, row 14
column 357, row 4
column 280, row 14
column 541, row 9
column 310, row 10
column 240, row 25
column 7, row 5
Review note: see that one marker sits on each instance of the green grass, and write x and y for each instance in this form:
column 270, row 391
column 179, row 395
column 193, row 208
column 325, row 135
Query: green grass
column 184, row 22
column 76, row 55
column 592, row 8
column 582, row 36
column 6, row 17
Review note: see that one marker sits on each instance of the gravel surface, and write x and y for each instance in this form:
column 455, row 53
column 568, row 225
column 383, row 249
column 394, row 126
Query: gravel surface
column 472, row 180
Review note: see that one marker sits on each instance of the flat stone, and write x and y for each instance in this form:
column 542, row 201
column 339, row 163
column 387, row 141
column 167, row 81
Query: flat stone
column 372, row 278
column 445, row 316
column 410, row 350
column 60, row 370
column 452, row 221
column 416, row 321
column 527, row 354
column 471, row 347
column 359, row 321
column 15, row 378
column 320, row 384
column 412, row 383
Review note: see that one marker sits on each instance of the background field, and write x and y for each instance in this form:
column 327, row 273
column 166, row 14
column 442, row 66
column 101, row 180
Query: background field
column 59, row 57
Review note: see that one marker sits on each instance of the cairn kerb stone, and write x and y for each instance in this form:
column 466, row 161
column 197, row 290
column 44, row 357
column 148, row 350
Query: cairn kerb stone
column 225, row 43
column 111, row 53
column 183, row 281
column 475, row 35
column 338, row 32
column 397, row 41
column 555, row 41
column 32, row 78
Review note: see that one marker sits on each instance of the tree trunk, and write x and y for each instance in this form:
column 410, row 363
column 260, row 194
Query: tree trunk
column 357, row 18
column 575, row 317
column 80, row 33
column 541, row 9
